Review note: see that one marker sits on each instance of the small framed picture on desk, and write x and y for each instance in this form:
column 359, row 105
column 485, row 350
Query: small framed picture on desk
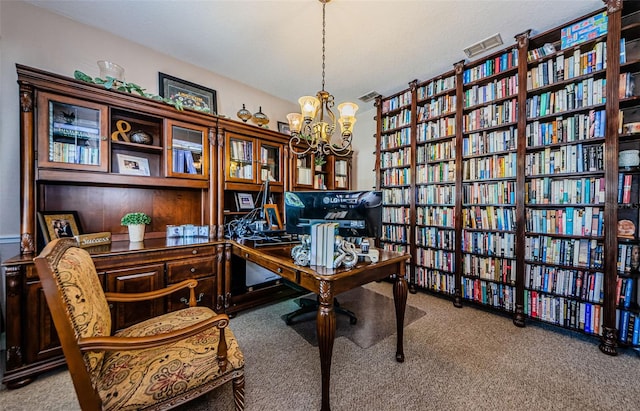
column 272, row 216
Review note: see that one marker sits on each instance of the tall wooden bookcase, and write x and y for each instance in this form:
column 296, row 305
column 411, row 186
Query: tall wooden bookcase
column 502, row 178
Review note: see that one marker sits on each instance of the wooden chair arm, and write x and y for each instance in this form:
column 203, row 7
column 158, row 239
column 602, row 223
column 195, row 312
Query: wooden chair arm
column 112, row 343
column 149, row 295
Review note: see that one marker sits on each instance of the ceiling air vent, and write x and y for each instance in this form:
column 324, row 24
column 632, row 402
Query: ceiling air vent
column 369, row 96
column 484, row 45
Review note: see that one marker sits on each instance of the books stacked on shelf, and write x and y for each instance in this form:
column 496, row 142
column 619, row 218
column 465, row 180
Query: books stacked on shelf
column 323, row 240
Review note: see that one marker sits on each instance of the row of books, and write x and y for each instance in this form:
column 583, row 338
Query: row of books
column 436, row 107
column 322, row 248
column 581, row 253
column 578, row 221
column 395, row 247
column 564, row 68
column 395, row 215
column 241, row 150
column 442, row 172
column 432, row 258
column 575, row 158
column 436, row 87
column 400, row 138
column 184, row 161
column 396, row 102
column 436, row 194
column 441, row 151
column 627, row 85
column 491, row 116
column 396, row 176
column 499, row 192
column 497, row 295
column 436, row 216
column 628, row 326
column 341, row 182
column 65, row 131
column 578, row 127
column 88, row 128
column 628, row 258
column 305, row 175
column 396, row 233
column 626, row 292
column 489, row 268
column 74, row 153
column 435, row 237
column 397, row 195
column 497, row 89
column 577, row 284
column 237, row 170
column 435, row 280
column 440, row 128
column 491, row 142
column 547, row 190
column 492, row 244
column 401, row 119
column 496, row 166
column 489, row 67
column 563, row 311
column 397, row 158
column 586, row 93
column 340, row 167
column 319, row 182
column 489, row 217
column 628, row 188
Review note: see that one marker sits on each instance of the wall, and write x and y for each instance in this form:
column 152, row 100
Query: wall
column 364, row 140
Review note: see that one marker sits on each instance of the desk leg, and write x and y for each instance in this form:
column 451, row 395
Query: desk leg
column 326, row 332
column 400, row 300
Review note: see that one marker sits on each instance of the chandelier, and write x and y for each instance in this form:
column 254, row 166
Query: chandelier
column 313, row 129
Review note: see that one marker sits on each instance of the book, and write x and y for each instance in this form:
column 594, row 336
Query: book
column 331, row 230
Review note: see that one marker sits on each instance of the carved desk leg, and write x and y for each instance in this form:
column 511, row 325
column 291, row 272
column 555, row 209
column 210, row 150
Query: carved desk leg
column 400, row 300
column 326, row 330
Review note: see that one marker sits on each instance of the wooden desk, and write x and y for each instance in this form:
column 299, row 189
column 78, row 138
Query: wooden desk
column 327, row 283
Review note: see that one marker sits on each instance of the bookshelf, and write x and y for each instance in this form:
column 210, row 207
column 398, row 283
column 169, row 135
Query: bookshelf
column 517, row 181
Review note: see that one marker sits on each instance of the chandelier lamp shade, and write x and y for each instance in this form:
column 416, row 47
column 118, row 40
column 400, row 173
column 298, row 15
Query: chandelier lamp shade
column 315, row 128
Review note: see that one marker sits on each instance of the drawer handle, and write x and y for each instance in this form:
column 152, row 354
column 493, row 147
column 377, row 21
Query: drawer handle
column 186, row 300
column 279, row 269
column 194, row 252
column 246, row 255
column 193, row 270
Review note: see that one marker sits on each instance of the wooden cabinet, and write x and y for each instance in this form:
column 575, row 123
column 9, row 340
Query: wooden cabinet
column 503, row 178
column 186, row 150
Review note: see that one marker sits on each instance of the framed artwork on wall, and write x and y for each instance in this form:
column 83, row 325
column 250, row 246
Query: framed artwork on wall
column 189, row 95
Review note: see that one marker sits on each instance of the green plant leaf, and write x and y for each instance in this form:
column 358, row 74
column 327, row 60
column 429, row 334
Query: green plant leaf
column 78, row 75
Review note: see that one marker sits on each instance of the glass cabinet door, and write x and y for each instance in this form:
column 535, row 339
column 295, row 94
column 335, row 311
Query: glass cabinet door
column 270, row 163
column 72, row 133
column 187, row 150
column 239, row 154
column 304, row 170
column 341, row 174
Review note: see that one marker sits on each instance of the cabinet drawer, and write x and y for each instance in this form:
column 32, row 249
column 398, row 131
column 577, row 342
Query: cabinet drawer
column 192, row 268
column 285, row 272
column 205, row 295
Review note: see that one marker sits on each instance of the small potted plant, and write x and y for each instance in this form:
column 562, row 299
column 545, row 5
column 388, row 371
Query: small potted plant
column 319, row 161
column 135, row 223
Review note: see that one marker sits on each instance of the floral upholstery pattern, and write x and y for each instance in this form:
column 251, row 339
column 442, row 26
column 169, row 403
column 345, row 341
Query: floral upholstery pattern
column 134, row 379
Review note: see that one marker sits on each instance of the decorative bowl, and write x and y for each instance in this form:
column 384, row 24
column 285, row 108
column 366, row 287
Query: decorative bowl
column 629, row 158
column 110, row 69
column 140, row 137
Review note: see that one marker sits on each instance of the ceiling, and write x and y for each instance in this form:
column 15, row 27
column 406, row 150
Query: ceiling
column 276, row 45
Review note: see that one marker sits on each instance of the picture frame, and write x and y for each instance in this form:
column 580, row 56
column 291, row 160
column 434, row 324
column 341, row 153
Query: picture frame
column 284, row 128
column 190, row 95
column 59, row 224
column 133, row 165
column 244, row 201
column 273, row 216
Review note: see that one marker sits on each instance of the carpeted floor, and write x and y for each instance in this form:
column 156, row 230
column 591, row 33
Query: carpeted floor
column 376, row 318
column 456, row 359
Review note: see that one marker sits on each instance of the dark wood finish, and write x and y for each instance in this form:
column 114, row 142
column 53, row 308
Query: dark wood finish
column 327, row 283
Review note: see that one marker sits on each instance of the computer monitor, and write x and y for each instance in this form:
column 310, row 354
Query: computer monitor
column 358, row 213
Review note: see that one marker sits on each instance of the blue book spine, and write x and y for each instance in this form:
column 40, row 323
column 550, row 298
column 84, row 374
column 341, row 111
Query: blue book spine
column 635, row 340
column 624, row 325
column 587, row 318
column 628, row 291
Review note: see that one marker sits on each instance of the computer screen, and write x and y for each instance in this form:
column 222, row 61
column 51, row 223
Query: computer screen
column 358, row 213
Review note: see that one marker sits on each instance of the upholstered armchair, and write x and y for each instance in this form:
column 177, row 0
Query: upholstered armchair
column 156, row 364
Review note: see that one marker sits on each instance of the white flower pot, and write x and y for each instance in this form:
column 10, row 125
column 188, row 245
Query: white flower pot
column 136, row 232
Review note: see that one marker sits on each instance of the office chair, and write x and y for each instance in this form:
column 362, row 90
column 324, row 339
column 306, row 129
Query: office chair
column 308, row 305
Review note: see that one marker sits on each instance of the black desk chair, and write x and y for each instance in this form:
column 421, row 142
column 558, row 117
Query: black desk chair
column 308, row 305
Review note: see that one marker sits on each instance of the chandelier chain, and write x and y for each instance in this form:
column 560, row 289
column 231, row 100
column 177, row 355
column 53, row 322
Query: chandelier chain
column 323, row 41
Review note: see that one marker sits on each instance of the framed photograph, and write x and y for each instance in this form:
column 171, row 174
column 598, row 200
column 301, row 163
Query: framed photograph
column 284, row 128
column 191, row 95
column 58, row 224
column 273, row 217
column 138, row 166
column 244, row 201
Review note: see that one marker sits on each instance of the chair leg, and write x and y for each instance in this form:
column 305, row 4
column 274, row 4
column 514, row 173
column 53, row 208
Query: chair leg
column 238, row 392
column 308, row 305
